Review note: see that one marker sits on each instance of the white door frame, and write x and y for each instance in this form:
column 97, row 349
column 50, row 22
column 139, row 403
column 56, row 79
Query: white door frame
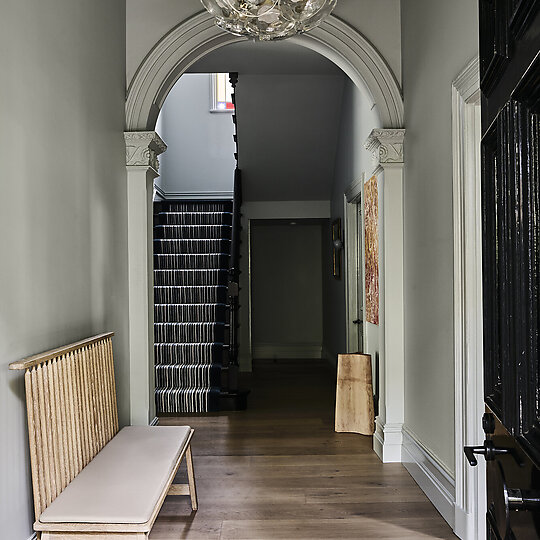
column 354, row 275
column 468, row 348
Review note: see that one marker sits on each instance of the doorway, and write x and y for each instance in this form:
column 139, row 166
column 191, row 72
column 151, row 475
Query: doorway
column 288, row 260
column 354, row 271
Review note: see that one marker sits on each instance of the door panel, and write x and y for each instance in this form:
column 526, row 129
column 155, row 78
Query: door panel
column 510, row 83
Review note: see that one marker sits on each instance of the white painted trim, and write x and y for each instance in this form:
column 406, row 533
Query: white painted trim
column 386, row 146
column 197, row 36
column 158, row 193
column 430, row 475
column 194, row 195
column 353, row 274
column 353, row 193
column 470, row 497
column 287, row 351
column 142, row 164
column 388, row 441
column 155, row 421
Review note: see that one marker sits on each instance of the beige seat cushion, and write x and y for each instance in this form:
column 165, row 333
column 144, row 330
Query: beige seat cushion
column 123, row 483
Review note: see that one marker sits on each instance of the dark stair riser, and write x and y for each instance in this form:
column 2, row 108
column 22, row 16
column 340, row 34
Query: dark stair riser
column 187, row 232
column 188, row 376
column 188, row 353
column 189, row 332
column 190, row 295
column 191, row 277
column 179, row 401
column 196, row 206
column 193, row 218
column 189, row 313
column 168, row 247
column 187, row 260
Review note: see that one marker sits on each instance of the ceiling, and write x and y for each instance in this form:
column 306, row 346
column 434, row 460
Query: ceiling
column 279, row 57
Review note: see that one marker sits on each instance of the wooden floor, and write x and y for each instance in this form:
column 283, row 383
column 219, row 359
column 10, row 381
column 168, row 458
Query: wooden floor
column 278, row 470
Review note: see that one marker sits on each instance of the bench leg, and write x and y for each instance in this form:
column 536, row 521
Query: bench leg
column 191, row 478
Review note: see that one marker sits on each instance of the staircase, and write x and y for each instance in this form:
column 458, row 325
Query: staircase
column 192, row 249
column 196, row 290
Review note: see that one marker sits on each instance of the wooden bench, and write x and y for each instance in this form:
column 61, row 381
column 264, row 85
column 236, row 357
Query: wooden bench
column 89, row 479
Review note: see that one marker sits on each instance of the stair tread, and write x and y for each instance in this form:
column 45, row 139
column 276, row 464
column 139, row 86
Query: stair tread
column 217, row 225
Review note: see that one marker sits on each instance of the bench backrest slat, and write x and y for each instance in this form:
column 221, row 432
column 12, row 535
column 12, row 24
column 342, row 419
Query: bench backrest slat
column 72, row 412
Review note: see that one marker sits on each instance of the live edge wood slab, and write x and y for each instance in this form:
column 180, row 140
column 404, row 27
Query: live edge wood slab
column 354, row 395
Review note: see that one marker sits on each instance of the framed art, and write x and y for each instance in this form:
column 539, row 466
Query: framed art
column 371, row 231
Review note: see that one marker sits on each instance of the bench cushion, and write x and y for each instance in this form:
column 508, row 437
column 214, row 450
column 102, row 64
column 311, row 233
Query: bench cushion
column 124, row 482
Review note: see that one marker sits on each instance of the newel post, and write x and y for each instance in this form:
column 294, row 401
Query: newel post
column 386, row 146
column 142, row 165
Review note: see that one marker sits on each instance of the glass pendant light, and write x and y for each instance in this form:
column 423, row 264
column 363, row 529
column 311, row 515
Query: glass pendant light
column 267, row 20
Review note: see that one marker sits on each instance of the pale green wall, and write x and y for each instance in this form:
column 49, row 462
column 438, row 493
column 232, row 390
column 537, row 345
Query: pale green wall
column 439, row 38
column 358, row 117
column 63, row 268
column 286, row 285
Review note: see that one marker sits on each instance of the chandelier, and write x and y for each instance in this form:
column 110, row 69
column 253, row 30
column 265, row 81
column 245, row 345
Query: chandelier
column 267, row 20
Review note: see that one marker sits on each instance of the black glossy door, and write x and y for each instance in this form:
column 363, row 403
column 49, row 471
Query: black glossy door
column 510, row 83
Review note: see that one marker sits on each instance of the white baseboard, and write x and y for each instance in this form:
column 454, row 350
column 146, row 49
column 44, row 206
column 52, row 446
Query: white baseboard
column 464, row 525
column 287, row 351
column 429, row 474
column 155, row 421
column 387, row 441
column 193, row 195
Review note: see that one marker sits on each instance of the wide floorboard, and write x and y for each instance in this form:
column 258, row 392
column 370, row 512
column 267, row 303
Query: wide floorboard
column 278, row 471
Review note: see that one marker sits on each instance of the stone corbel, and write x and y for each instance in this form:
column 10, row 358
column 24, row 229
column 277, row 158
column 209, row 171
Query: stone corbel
column 386, row 146
column 143, row 149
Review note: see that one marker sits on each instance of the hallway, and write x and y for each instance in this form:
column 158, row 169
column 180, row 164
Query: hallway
column 278, row 470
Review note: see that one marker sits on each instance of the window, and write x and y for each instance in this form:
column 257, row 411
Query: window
column 222, row 91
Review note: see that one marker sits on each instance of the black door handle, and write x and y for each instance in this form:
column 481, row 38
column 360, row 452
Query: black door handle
column 489, row 451
column 357, row 321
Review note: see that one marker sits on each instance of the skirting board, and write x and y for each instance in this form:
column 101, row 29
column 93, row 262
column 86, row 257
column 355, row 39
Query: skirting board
column 434, row 481
column 387, row 441
column 194, row 195
column 287, row 351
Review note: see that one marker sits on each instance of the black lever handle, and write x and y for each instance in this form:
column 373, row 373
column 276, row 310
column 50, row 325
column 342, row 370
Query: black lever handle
column 469, row 454
column 489, row 451
column 522, row 499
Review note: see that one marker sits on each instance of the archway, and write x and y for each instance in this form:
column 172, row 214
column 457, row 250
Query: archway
column 349, row 50
column 194, row 38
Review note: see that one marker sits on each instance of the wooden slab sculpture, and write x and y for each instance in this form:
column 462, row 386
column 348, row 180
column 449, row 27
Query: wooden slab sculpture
column 354, row 395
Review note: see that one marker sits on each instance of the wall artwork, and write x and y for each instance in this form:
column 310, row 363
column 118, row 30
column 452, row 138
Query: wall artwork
column 371, row 224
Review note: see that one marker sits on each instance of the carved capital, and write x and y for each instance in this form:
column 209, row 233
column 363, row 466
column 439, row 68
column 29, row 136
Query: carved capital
column 386, row 146
column 143, row 149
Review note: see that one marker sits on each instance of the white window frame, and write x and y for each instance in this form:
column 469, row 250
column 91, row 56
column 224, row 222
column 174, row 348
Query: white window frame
column 213, row 96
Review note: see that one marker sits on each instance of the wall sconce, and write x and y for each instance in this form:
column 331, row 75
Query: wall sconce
column 337, row 247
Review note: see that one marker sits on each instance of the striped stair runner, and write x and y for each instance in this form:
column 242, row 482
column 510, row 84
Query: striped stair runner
column 192, row 242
